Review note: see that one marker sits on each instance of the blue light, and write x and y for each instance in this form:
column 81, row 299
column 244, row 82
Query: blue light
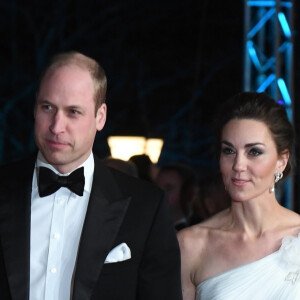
column 289, row 112
column 253, row 55
column 269, row 64
column 284, row 47
column 262, row 3
column 284, row 24
column 261, row 23
column 269, row 4
column 284, row 92
column 281, row 102
column 266, row 83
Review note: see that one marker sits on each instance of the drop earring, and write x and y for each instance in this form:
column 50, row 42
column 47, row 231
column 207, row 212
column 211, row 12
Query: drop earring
column 277, row 177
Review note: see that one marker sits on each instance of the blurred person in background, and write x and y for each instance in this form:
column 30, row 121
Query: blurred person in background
column 146, row 169
column 211, row 198
column 179, row 181
column 124, row 166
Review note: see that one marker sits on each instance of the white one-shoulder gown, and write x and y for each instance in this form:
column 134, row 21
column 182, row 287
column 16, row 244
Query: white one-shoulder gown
column 274, row 277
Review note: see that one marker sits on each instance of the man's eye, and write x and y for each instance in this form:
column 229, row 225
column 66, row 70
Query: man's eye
column 46, row 107
column 255, row 152
column 227, row 151
column 74, row 111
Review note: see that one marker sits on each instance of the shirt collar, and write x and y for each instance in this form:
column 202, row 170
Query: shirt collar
column 88, row 169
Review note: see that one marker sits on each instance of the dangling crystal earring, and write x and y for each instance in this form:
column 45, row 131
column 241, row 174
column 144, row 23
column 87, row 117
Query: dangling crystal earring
column 277, row 177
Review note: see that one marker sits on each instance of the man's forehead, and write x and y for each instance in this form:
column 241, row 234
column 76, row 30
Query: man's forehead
column 65, row 68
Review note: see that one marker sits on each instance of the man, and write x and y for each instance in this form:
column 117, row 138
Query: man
column 97, row 234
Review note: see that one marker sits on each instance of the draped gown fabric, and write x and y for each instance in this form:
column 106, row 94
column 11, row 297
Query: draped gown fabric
column 276, row 277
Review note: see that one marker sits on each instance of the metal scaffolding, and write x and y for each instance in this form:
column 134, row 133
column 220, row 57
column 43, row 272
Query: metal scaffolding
column 268, row 59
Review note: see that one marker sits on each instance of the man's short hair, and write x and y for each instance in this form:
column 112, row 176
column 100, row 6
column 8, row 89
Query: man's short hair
column 86, row 63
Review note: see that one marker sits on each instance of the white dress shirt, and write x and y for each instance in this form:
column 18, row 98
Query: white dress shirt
column 56, row 225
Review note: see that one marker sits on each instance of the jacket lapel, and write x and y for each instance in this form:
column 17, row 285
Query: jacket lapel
column 106, row 210
column 15, row 229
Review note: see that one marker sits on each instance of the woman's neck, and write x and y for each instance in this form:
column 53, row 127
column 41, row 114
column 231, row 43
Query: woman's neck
column 254, row 218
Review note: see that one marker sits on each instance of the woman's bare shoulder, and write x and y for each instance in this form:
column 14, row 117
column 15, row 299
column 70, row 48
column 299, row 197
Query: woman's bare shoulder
column 191, row 234
column 292, row 216
column 289, row 222
column 196, row 245
column 193, row 242
column 193, row 239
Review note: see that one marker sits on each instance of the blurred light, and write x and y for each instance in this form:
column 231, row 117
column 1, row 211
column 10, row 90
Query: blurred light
column 123, row 147
column 260, row 3
column 261, row 22
column 284, row 92
column 281, row 102
column 266, row 83
column 284, row 24
column 153, row 149
column 285, row 46
column 253, row 55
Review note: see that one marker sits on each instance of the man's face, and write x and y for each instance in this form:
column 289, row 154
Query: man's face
column 65, row 121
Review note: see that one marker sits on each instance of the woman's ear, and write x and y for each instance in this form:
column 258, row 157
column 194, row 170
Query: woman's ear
column 283, row 159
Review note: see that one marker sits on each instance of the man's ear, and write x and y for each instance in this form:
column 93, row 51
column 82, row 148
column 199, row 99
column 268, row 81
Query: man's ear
column 101, row 116
column 283, row 159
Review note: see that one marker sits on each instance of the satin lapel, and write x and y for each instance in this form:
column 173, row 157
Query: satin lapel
column 15, row 230
column 106, row 210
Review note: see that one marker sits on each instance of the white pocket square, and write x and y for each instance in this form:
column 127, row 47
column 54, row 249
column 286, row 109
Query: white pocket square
column 119, row 253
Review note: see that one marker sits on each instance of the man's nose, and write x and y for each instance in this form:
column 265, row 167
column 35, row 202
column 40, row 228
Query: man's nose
column 58, row 123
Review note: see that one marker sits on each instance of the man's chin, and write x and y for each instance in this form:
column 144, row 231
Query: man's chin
column 55, row 158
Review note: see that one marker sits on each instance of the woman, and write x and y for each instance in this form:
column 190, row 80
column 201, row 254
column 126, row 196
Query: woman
column 252, row 249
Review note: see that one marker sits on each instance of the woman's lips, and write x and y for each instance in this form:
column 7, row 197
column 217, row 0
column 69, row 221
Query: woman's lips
column 239, row 182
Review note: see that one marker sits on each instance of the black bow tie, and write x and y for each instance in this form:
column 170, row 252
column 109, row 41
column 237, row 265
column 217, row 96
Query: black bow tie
column 49, row 182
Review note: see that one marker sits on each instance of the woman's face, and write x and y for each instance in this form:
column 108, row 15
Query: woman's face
column 249, row 159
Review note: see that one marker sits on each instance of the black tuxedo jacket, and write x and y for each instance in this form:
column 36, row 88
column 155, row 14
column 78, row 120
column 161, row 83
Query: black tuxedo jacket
column 121, row 209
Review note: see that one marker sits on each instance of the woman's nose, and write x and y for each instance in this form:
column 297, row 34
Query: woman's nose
column 240, row 163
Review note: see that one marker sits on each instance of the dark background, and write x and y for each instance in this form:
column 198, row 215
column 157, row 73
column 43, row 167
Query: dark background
column 169, row 64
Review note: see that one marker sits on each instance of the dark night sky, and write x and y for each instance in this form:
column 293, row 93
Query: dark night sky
column 169, row 63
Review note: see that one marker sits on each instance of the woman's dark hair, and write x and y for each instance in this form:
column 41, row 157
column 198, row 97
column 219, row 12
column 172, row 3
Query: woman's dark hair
column 259, row 107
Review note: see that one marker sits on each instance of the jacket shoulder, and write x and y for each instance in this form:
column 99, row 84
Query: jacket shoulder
column 17, row 169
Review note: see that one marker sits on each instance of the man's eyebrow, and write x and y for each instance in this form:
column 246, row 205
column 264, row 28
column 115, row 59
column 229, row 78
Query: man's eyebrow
column 44, row 101
column 74, row 106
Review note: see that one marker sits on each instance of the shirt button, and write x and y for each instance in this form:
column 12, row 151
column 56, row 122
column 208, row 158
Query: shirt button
column 53, row 270
column 56, row 236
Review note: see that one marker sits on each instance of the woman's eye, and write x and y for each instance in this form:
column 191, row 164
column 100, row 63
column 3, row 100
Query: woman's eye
column 255, row 152
column 227, row 151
